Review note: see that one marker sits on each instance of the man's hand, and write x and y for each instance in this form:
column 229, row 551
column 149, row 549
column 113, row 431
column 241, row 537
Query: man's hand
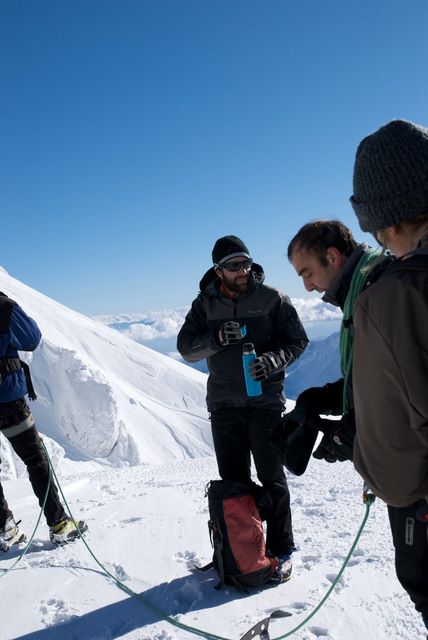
column 229, row 333
column 261, row 368
column 338, row 439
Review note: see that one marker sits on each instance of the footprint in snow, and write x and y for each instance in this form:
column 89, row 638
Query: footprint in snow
column 331, row 577
column 308, row 561
column 117, row 571
column 53, row 612
column 188, row 558
column 314, row 511
column 299, row 606
column 321, row 633
column 130, row 520
column 107, row 489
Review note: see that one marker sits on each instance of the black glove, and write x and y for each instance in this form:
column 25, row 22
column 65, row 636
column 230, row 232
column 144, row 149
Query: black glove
column 338, row 439
column 261, row 368
column 283, row 431
column 229, row 333
column 294, row 442
column 326, row 399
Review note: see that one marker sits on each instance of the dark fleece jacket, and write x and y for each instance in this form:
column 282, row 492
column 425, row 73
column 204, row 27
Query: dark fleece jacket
column 272, row 324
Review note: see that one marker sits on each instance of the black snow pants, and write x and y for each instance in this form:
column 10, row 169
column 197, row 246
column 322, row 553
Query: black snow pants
column 17, row 425
column 410, row 537
column 238, row 433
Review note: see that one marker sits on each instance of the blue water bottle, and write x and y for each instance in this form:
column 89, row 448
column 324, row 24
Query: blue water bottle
column 254, row 388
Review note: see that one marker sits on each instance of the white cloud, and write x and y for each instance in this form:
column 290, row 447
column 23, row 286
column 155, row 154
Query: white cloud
column 315, row 310
column 165, row 324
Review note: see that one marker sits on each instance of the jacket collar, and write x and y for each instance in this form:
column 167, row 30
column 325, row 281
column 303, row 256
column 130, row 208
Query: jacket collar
column 337, row 292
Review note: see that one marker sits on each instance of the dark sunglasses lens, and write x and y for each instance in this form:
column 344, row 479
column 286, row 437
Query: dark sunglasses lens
column 237, row 266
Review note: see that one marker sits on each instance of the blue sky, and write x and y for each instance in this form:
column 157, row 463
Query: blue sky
column 134, row 133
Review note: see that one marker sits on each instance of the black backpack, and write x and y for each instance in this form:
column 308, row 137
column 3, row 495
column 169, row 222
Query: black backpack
column 236, row 533
column 10, row 365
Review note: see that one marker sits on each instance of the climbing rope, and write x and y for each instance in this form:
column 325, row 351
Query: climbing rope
column 27, row 546
column 368, row 499
column 124, row 587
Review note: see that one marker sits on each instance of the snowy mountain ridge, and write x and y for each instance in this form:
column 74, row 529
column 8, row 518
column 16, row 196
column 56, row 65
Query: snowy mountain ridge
column 102, row 396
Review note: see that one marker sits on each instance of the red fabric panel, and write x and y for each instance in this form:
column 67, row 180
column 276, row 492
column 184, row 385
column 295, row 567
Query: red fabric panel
column 245, row 533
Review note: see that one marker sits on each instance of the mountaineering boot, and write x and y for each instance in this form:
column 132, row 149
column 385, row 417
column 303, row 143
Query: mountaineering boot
column 10, row 534
column 285, row 567
column 66, row 530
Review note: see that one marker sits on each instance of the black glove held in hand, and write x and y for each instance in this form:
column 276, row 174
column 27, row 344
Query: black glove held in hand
column 229, row 333
column 338, row 439
column 326, row 399
column 294, row 442
column 261, row 368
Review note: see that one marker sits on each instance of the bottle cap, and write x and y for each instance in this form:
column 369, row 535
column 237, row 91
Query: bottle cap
column 248, row 348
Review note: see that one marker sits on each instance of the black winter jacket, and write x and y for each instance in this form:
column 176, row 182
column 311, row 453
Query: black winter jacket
column 272, row 324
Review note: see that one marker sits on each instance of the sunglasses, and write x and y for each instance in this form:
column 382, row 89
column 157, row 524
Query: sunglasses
column 236, row 266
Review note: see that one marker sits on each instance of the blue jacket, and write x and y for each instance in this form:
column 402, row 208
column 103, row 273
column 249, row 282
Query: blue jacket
column 23, row 334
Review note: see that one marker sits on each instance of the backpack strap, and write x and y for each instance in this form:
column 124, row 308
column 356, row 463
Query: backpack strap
column 6, row 308
column 216, row 537
column 10, row 365
column 30, row 388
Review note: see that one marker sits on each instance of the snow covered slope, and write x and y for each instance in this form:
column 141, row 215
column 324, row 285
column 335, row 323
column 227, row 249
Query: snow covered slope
column 101, row 395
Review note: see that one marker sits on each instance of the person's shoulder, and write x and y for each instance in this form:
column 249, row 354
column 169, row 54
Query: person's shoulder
column 268, row 290
column 382, row 292
column 275, row 298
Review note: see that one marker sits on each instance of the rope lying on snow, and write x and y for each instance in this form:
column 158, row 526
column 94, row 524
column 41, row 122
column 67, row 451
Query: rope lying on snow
column 368, row 499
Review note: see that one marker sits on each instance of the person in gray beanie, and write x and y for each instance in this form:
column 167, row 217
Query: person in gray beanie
column 391, row 176
column 390, row 368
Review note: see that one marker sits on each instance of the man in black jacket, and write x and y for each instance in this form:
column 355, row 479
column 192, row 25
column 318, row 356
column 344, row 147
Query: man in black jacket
column 233, row 302
column 327, row 257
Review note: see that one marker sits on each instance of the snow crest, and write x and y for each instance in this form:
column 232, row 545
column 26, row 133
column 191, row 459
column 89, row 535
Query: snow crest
column 102, row 396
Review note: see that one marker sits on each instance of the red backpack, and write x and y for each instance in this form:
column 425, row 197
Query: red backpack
column 236, row 532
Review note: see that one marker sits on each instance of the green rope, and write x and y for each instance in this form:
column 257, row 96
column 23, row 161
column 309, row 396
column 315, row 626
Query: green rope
column 346, row 339
column 162, row 614
column 19, row 558
column 369, row 499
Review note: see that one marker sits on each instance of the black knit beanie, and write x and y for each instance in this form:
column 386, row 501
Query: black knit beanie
column 391, row 176
column 229, row 247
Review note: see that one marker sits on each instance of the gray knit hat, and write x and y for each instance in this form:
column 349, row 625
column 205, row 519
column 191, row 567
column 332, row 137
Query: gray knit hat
column 391, row 176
